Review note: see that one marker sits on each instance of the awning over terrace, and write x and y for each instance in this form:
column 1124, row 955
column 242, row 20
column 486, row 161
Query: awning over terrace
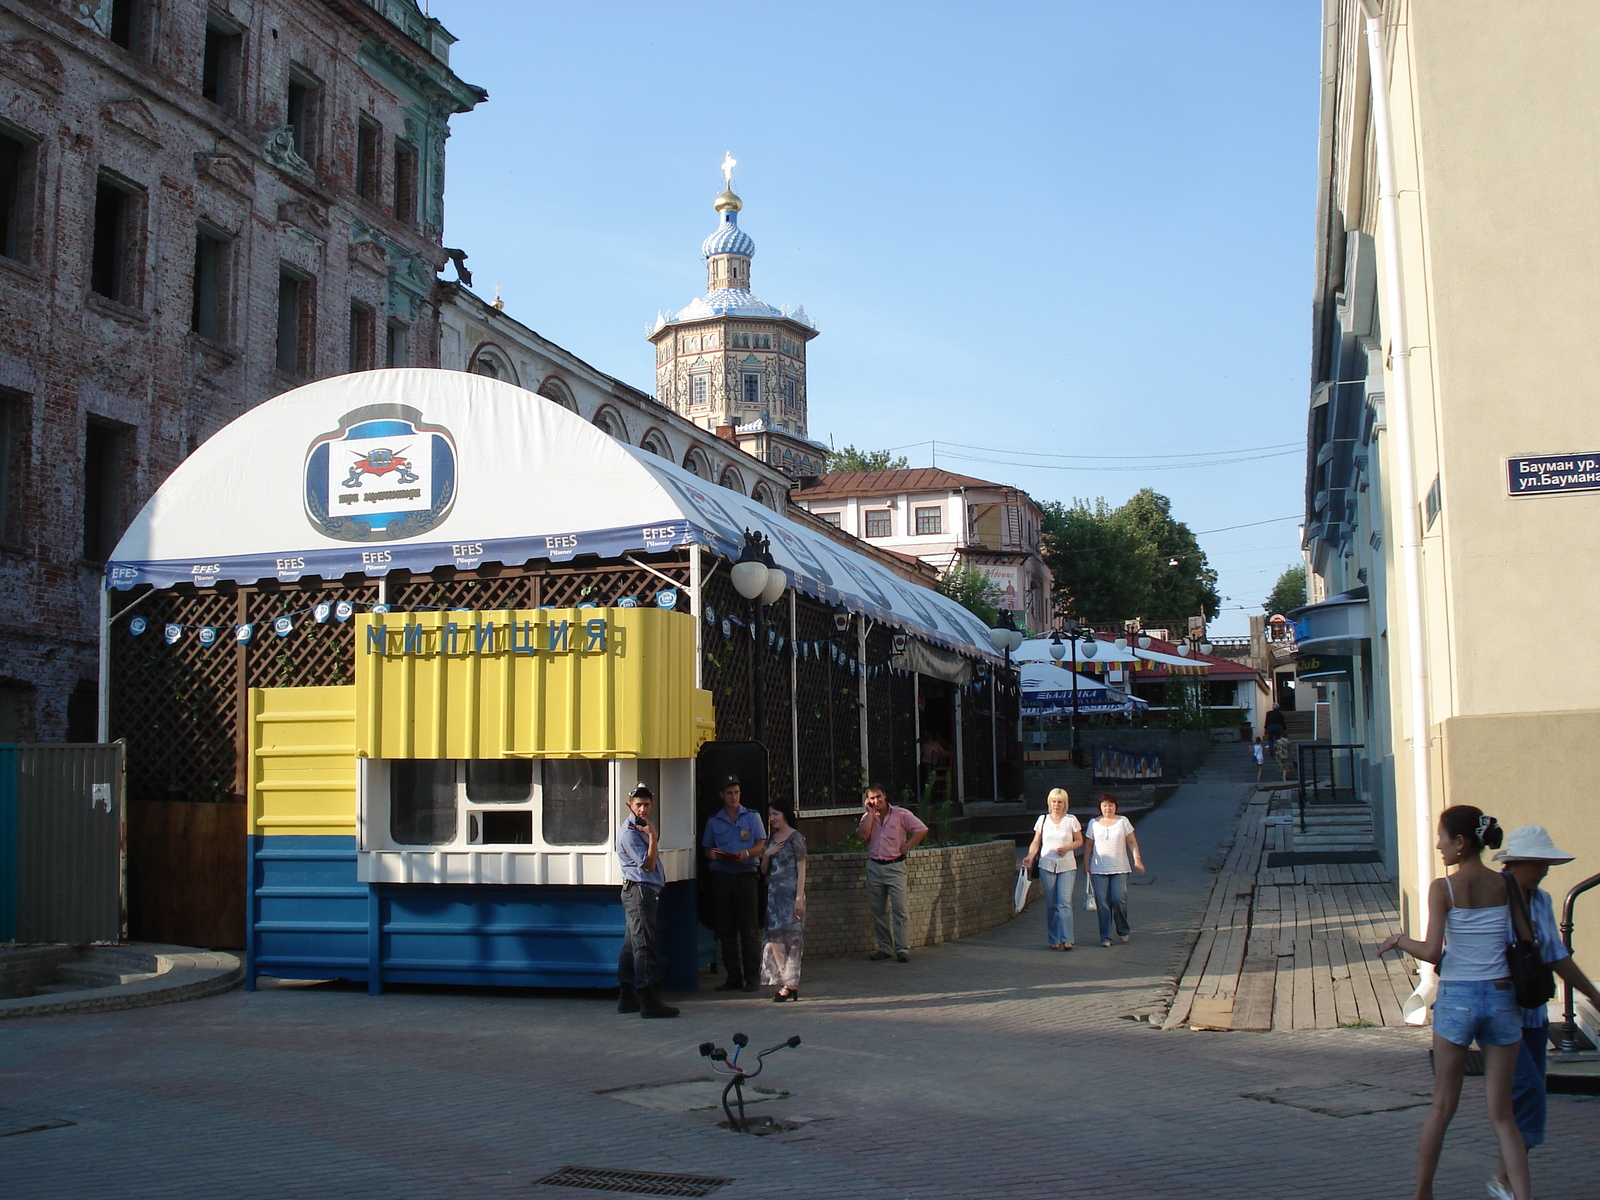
column 419, row 469
column 1047, row 691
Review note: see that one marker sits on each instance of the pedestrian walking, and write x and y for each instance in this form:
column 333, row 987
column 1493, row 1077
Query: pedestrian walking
column 891, row 832
column 1274, row 725
column 639, row 852
column 1468, row 917
column 733, row 841
column 1528, row 856
column 1056, row 835
column 784, row 861
column 1259, row 753
column 1283, row 751
column 1114, row 855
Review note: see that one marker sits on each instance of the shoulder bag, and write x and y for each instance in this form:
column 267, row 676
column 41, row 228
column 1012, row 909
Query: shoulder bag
column 1531, row 977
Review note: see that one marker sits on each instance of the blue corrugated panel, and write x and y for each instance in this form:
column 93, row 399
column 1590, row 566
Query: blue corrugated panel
column 8, row 843
column 311, row 918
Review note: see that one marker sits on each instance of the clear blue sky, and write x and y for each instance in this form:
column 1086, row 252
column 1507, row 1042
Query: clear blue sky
column 1054, row 228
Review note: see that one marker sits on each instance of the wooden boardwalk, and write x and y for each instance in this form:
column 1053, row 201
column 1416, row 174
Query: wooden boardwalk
column 1291, row 947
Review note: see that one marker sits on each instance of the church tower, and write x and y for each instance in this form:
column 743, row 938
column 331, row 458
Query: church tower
column 734, row 364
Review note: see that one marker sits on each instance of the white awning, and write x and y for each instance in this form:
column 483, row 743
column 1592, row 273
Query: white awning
column 417, row 469
column 1048, row 689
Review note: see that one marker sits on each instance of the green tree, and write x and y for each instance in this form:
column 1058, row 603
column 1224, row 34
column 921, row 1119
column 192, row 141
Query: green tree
column 971, row 587
column 1289, row 592
column 1135, row 561
column 851, row 459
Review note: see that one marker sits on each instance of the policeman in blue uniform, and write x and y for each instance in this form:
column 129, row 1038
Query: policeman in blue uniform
column 733, row 840
column 639, row 853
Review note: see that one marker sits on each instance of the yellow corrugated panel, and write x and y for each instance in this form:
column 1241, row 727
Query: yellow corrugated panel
column 575, row 682
column 303, row 760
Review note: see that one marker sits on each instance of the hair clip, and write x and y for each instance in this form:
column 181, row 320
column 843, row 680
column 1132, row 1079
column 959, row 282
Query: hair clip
column 1484, row 821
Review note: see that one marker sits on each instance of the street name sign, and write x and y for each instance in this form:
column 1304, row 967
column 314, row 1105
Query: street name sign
column 1549, row 474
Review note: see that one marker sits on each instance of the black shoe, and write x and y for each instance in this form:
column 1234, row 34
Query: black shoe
column 752, row 986
column 650, row 1007
column 879, row 956
column 628, row 1000
column 731, row 985
column 900, row 956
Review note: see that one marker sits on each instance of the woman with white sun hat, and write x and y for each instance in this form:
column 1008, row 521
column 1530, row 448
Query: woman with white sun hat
column 1528, row 856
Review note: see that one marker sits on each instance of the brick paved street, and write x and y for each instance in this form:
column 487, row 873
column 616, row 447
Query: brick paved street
column 990, row 1067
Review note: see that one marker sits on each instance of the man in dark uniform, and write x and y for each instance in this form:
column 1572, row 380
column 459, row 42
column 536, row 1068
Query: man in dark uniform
column 639, row 852
column 733, row 840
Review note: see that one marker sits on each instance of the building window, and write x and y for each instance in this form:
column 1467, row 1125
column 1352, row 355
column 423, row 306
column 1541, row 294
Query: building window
column 210, row 283
column 878, row 524
column 14, row 430
column 296, row 323
column 368, row 139
column 554, row 389
column 700, row 387
column 930, row 520
column 220, row 62
column 16, row 197
column 394, row 346
column 16, row 712
column 106, row 463
column 829, row 518
column 114, row 256
column 741, row 339
column 405, row 182
column 304, row 100
column 363, row 326
column 752, row 390
column 577, row 796
column 790, row 392
column 422, row 801
column 83, row 713
column 763, row 341
column 125, row 24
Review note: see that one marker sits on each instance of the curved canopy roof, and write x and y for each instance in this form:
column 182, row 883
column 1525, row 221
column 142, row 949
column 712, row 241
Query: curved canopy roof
column 417, row 469
column 1048, row 690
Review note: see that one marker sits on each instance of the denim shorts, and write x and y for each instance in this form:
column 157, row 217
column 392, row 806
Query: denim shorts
column 1482, row 1009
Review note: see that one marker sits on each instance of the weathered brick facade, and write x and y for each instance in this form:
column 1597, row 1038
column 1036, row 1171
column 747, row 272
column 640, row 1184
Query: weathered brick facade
column 204, row 204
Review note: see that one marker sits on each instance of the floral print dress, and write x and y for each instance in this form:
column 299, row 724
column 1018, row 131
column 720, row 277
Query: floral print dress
column 785, row 935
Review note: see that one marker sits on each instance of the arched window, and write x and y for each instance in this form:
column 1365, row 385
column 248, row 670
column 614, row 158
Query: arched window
column 554, row 389
column 766, row 495
column 492, row 362
column 732, row 480
column 656, row 442
column 695, row 463
column 609, row 421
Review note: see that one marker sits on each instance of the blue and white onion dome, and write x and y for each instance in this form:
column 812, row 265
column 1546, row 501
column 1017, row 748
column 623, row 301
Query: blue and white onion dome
column 728, row 238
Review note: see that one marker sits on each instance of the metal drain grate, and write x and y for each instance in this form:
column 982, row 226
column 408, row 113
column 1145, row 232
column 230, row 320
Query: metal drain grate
column 639, row 1183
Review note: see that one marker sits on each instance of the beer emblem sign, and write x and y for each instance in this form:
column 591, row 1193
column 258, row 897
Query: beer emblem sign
column 383, row 475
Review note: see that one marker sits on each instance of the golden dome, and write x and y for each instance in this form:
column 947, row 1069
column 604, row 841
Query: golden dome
column 728, row 202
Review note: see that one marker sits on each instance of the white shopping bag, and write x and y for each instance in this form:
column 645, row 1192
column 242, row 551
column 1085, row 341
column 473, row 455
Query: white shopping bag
column 1088, row 894
column 1021, row 898
column 1415, row 1007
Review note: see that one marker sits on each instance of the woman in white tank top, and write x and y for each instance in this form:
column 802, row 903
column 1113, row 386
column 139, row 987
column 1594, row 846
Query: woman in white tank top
column 1468, row 923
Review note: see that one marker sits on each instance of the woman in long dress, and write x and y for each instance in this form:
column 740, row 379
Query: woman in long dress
column 784, row 862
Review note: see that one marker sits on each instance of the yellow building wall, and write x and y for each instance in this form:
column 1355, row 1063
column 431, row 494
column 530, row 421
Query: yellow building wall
column 302, row 747
column 582, row 682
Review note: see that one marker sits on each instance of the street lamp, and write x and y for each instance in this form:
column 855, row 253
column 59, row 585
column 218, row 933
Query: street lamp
column 1073, row 634
column 757, row 578
column 1005, row 636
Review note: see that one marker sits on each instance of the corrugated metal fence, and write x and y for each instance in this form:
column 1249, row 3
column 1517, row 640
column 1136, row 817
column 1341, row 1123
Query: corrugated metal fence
column 61, row 833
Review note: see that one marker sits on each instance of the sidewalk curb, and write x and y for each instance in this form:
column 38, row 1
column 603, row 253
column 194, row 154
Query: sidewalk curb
column 182, row 974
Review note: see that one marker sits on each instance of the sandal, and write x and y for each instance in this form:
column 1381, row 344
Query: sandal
column 784, row 995
column 1066, row 945
column 1106, row 943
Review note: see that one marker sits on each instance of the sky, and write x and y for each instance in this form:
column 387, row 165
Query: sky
column 1064, row 246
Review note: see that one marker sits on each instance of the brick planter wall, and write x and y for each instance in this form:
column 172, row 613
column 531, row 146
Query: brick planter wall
column 23, row 968
column 951, row 892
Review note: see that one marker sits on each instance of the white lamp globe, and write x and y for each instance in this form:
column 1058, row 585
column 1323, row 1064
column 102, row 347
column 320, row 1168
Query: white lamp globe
column 749, row 578
column 1205, row 647
column 1058, row 651
column 1000, row 639
column 1183, row 649
column 1091, row 647
column 1144, row 641
column 1122, row 643
column 777, row 581
column 1016, row 638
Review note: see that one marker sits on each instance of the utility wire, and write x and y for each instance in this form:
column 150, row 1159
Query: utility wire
column 1140, row 466
column 1100, row 457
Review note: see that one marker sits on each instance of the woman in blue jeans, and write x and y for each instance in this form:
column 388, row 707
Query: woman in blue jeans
column 1109, row 867
column 1468, row 918
column 1055, row 836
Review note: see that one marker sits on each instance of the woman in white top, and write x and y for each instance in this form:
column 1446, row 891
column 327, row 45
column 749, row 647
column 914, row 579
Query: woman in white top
column 1469, row 918
column 1055, row 836
column 1113, row 842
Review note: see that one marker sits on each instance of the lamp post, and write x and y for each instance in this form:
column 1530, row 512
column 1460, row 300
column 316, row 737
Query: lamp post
column 1195, row 643
column 759, row 580
column 1005, row 636
column 1073, row 634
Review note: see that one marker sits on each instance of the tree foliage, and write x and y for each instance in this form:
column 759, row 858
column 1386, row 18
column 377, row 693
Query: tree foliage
column 1132, row 562
column 971, row 587
column 1289, row 592
column 851, row 459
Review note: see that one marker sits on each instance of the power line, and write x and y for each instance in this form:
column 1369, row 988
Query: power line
column 1104, row 457
column 1140, row 466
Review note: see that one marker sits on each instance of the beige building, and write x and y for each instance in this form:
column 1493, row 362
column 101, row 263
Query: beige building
column 1452, row 523
column 943, row 518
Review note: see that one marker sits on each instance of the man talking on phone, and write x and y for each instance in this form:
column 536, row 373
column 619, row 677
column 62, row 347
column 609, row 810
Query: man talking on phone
column 639, row 852
column 890, row 833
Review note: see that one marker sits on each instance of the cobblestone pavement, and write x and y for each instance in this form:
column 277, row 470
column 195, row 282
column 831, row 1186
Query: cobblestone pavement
column 990, row 1067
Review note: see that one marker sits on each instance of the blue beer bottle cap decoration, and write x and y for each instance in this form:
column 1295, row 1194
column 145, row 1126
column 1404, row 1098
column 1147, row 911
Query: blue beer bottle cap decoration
column 243, row 633
column 171, row 632
column 343, row 609
column 208, row 635
column 711, row 615
column 628, row 602
column 322, row 612
column 137, row 626
column 377, row 608
column 667, row 598
column 282, row 626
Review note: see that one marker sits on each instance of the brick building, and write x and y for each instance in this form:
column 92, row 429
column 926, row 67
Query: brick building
column 202, row 204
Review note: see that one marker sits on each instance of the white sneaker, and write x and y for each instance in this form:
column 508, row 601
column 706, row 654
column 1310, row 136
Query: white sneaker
column 1499, row 1190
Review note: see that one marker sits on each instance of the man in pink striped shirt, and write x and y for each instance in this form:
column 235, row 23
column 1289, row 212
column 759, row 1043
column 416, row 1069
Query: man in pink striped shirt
column 891, row 832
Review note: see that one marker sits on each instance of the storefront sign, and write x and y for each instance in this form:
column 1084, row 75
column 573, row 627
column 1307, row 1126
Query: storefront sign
column 1548, row 474
column 1324, row 666
column 488, row 637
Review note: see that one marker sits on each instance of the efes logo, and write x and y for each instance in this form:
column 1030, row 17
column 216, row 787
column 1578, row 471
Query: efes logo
column 381, row 476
